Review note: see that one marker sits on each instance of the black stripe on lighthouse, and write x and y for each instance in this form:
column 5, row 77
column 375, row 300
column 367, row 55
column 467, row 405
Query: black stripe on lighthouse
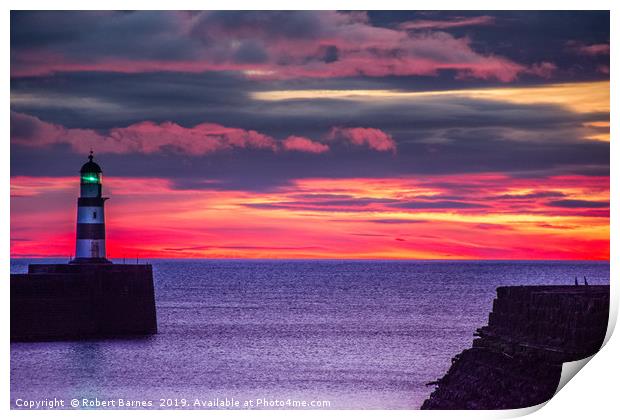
column 91, row 201
column 90, row 231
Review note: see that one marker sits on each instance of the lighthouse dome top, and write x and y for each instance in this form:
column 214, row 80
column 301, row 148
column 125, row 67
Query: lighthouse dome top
column 90, row 166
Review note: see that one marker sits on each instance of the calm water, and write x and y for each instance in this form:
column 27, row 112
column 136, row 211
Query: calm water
column 361, row 334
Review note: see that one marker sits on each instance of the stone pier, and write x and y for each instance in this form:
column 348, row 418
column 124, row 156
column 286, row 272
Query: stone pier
column 77, row 301
column 516, row 360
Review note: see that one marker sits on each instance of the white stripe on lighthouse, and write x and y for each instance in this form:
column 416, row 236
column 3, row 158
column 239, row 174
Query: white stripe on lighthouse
column 90, row 248
column 90, row 214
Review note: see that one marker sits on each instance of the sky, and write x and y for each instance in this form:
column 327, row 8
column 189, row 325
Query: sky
column 315, row 134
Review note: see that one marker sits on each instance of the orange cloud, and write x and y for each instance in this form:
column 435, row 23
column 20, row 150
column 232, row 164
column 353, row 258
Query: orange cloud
column 588, row 97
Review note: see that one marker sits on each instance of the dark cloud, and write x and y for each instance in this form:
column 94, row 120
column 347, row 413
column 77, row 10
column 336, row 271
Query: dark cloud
column 321, row 196
column 106, row 100
column 22, row 126
column 351, row 204
column 576, row 204
column 95, row 35
column 552, row 226
column 276, row 25
column 296, row 207
column 526, row 36
column 251, row 52
column 330, row 54
column 62, row 39
column 538, row 194
column 347, row 202
column 42, row 29
column 430, row 205
column 433, row 135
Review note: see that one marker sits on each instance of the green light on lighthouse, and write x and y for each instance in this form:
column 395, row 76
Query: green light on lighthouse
column 91, row 178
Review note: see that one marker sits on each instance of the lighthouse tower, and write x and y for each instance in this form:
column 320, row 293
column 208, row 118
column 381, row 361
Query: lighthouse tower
column 90, row 232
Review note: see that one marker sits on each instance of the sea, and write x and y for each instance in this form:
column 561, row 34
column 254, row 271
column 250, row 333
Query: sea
column 289, row 334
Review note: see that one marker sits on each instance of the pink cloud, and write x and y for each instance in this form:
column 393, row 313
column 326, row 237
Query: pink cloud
column 444, row 24
column 584, row 49
column 324, row 44
column 372, row 137
column 149, row 137
column 144, row 137
column 302, row 144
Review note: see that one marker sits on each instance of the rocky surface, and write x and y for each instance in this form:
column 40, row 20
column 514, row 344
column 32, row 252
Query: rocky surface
column 516, row 360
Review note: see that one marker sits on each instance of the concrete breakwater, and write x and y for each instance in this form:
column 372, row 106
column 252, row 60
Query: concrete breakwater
column 75, row 301
column 516, row 360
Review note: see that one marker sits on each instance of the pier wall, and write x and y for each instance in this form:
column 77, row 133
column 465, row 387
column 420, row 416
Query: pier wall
column 516, row 360
column 75, row 301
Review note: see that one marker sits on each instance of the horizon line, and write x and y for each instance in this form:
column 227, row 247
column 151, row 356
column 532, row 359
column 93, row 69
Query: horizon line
column 325, row 259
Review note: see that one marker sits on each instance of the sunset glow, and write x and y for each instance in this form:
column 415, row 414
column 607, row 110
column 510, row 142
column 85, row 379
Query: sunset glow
column 319, row 218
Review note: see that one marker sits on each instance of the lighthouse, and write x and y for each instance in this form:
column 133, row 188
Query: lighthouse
column 90, row 230
column 89, row 297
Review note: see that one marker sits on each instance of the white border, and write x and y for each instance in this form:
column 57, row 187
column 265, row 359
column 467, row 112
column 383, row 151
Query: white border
column 592, row 395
